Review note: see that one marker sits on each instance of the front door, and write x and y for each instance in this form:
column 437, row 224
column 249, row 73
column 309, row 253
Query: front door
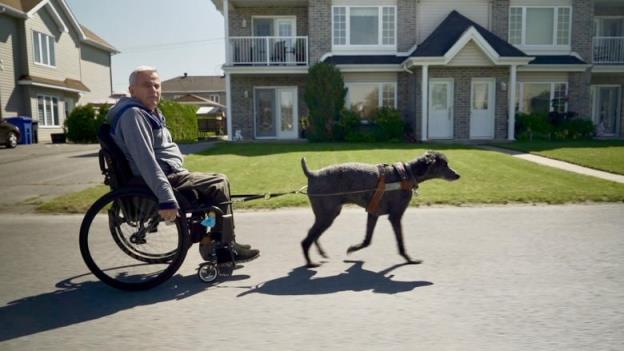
column 482, row 108
column 440, row 109
column 606, row 109
column 276, row 114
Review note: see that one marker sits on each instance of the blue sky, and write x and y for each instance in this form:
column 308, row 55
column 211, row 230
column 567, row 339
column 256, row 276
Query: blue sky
column 174, row 36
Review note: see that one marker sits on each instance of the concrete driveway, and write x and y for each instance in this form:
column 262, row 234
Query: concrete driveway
column 494, row 278
column 31, row 174
column 39, row 172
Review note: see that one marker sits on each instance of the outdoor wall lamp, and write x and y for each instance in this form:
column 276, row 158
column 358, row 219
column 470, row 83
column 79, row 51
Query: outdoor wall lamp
column 246, row 94
column 244, row 23
column 503, row 85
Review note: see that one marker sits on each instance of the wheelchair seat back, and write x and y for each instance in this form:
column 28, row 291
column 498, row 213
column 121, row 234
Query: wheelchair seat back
column 113, row 162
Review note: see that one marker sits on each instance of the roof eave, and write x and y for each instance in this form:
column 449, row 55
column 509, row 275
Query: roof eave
column 555, row 68
column 12, row 12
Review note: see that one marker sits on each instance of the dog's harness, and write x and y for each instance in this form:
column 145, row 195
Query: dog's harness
column 406, row 184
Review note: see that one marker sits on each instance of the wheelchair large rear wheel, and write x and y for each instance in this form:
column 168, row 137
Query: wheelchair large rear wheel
column 126, row 245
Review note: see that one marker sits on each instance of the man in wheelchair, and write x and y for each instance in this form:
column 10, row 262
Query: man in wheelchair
column 140, row 131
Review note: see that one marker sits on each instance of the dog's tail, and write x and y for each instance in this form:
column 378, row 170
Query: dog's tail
column 305, row 168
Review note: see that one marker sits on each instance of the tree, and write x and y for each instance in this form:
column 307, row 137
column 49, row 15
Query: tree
column 325, row 96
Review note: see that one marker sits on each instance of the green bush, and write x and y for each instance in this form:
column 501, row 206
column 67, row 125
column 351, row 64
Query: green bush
column 324, row 95
column 574, row 129
column 83, row 123
column 348, row 124
column 553, row 126
column 533, row 126
column 390, row 125
column 181, row 120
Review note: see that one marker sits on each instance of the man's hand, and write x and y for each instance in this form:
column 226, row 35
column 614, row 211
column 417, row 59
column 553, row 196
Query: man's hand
column 168, row 215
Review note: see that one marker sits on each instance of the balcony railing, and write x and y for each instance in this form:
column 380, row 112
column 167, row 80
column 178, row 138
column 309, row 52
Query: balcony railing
column 608, row 50
column 268, row 51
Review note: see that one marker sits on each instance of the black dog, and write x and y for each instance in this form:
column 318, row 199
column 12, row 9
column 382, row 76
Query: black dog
column 382, row 189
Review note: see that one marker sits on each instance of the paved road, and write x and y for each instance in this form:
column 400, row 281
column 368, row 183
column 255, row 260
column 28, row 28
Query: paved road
column 493, row 278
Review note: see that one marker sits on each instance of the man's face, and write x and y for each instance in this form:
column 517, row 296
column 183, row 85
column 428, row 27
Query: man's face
column 147, row 89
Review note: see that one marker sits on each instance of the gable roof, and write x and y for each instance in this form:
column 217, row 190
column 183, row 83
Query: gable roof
column 194, row 84
column 452, row 29
column 25, row 9
column 197, row 100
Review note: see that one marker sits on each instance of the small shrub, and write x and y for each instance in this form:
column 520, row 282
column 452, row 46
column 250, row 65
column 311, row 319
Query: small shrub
column 574, row 129
column 533, row 126
column 390, row 125
column 83, row 123
column 181, row 120
column 324, row 95
column 348, row 125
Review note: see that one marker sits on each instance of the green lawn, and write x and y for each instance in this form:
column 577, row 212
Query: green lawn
column 487, row 177
column 606, row 155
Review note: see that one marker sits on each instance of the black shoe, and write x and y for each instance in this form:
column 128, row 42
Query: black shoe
column 245, row 255
column 238, row 246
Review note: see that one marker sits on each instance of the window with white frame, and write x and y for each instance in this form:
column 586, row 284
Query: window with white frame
column 364, row 25
column 540, row 26
column 367, row 98
column 48, row 111
column 541, row 97
column 214, row 98
column 43, row 48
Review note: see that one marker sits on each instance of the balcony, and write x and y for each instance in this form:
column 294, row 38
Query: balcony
column 608, row 50
column 267, row 51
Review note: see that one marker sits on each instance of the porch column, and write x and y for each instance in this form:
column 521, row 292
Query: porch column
column 424, row 94
column 228, row 90
column 511, row 128
column 226, row 15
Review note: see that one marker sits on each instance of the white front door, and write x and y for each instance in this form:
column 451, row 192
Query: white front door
column 440, row 109
column 606, row 109
column 276, row 114
column 482, row 107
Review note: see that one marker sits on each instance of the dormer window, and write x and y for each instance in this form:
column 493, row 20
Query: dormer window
column 540, row 26
column 364, row 26
column 43, row 49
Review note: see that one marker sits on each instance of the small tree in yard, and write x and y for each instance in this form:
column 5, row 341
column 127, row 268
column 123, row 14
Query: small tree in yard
column 325, row 96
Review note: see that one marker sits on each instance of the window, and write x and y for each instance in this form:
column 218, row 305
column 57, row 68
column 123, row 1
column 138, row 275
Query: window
column 214, row 98
column 366, row 98
column 43, row 48
column 541, row 97
column 540, row 26
column 48, row 111
column 364, row 25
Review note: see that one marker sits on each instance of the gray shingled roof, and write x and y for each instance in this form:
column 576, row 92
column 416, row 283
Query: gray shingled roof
column 194, row 84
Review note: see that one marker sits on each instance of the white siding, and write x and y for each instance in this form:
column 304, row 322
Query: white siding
column 363, row 2
column 95, row 74
column 540, row 3
column 432, row 12
column 11, row 98
column 370, row 77
column 542, row 77
column 66, row 48
column 471, row 55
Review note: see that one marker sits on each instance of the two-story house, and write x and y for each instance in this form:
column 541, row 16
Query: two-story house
column 456, row 69
column 49, row 63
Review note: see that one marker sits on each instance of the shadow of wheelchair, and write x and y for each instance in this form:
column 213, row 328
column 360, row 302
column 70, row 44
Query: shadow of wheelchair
column 83, row 298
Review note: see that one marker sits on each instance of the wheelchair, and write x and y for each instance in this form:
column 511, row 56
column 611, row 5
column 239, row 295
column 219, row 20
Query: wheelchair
column 126, row 244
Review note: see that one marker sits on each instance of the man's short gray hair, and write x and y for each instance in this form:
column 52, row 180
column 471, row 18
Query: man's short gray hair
column 140, row 69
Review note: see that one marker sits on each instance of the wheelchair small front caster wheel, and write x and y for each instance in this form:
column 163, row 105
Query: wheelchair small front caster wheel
column 208, row 272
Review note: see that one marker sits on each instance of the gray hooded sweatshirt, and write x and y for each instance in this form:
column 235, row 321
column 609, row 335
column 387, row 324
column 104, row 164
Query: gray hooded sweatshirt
column 145, row 140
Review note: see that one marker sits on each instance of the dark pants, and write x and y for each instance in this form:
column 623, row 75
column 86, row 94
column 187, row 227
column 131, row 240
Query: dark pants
column 211, row 188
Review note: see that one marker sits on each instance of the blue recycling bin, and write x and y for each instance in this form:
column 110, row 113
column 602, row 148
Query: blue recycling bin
column 25, row 126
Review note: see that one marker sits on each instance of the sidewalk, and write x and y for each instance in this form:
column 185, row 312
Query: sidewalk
column 557, row 164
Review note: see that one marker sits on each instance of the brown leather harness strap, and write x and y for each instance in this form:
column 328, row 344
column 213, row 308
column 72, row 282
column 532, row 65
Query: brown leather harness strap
column 406, row 184
column 373, row 205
